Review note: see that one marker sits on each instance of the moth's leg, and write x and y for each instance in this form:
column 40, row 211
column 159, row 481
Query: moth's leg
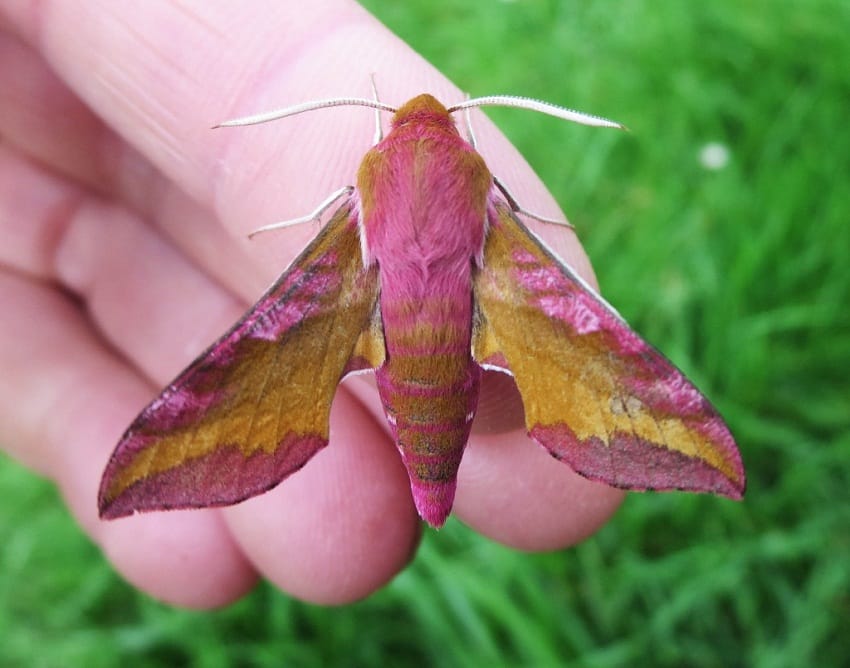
column 516, row 208
column 470, row 133
column 314, row 216
column 379, row 133
column 511, row 200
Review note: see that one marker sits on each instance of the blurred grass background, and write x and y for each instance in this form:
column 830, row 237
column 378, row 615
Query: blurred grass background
column 738, row 271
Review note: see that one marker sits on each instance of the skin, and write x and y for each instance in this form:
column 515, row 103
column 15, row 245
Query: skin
column 124, row 222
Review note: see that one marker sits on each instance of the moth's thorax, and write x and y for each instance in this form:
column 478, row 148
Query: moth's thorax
column 423, row 193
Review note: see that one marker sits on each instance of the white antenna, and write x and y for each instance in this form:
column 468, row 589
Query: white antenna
column 492, row 100
column 537, row 105
column 307, row 106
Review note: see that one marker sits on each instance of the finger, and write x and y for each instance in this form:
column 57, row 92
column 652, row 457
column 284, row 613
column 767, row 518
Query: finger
column 143, row 296
column 42, row 119
column 511, row 490
column 341, row 527
column 61, row 392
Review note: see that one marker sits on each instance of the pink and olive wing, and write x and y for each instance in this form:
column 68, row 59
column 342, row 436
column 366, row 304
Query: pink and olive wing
column 254, row 407
column 595, row 394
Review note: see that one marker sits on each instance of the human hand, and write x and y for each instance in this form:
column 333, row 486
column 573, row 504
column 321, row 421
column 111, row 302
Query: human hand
column 124, row 222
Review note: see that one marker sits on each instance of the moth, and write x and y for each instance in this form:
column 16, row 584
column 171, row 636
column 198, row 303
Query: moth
column 424, row 274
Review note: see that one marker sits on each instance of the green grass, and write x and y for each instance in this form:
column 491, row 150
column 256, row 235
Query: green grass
column 740, row 275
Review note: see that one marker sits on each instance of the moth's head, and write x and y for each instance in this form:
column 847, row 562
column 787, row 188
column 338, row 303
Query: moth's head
column 423, row 109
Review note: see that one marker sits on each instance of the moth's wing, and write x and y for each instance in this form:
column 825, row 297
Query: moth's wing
column 254, row 407
column 595, row 394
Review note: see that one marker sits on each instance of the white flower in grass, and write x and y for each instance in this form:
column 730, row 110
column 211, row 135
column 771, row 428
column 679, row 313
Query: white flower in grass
column 714, row 156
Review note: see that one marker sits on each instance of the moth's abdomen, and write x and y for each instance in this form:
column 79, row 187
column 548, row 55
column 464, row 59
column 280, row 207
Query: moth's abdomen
column 429, row 388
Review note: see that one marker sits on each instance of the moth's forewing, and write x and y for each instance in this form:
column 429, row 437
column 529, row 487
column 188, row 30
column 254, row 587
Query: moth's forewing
column 254, row 407
column 595, row 394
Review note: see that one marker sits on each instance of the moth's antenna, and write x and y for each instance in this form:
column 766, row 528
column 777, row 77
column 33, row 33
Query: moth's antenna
column 307, row 106
column 537, row 105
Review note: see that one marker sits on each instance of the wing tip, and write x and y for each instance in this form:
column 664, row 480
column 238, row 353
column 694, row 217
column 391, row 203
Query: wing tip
column 109, row 512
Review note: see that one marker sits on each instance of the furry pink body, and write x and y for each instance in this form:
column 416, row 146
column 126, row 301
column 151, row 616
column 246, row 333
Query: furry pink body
column 425, row 230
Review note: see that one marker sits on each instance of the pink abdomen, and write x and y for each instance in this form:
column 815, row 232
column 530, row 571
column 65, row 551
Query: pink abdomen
column 429, row 388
